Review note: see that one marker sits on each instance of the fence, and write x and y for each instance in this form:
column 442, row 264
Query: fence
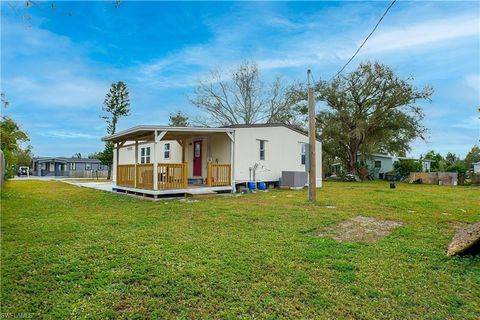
column 145, row 176
column 440, row 178
column 218, row 174
column 85, row 174
column 172, row 175
column 126, row 175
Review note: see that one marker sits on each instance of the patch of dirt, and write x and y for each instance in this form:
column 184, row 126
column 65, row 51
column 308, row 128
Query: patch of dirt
column 455, row 225
column 359, row 229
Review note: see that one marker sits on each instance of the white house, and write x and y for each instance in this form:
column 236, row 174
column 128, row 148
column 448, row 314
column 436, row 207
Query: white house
column 161, row 160
column 476, row 167
column 379, row 164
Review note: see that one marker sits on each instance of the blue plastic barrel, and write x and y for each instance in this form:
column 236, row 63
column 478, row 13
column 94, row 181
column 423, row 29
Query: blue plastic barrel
column 262, row 186
column 252, row 185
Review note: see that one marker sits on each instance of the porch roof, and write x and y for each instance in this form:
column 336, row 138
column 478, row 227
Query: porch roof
column 145, row 132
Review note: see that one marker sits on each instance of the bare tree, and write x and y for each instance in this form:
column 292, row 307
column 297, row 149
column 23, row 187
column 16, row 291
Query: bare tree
column 243, row 98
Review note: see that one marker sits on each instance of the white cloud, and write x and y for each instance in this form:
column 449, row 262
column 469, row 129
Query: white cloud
column 423, row 33
column 48, row 71
column 473, row 82
column 64, row 134
column 67, row 91
column 472, row 122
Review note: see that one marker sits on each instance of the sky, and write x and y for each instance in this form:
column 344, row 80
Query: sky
column 57, row 65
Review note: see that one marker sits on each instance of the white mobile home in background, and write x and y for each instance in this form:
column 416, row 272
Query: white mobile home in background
column 159, row 160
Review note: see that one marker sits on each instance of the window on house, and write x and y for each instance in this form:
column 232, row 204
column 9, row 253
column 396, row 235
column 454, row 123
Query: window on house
column 145, row 155
column 72, row 166
column 262, row 149
column 166, row 151
column 303, row 148
column 88, row 166
column 44, row 166
column 378, row 164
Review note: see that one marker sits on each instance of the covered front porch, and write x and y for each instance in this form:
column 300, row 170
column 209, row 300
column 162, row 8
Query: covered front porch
column 159, row 160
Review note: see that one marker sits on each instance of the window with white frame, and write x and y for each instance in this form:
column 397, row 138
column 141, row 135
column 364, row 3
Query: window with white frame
column 166, row 151
column 88, row 166
column 262, row 149
column 303, row 148
column 378, row 164
column 73, row 166
column 145, row 155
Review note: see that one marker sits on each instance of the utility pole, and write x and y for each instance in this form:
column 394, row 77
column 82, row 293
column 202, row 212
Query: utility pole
column 312, row 179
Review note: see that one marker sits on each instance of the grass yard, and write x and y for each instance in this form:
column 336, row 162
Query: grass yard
column 70, row 252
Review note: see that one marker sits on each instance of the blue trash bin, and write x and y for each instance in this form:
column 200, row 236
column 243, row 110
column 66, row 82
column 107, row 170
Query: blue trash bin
column 252, row 185
column 262, row 186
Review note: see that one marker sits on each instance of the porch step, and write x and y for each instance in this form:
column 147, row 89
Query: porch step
column 200, row 194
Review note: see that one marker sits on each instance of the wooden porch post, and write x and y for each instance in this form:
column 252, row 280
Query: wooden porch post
column 209, row 174
column 185, row 175
column 155, row 164
column 184, row 145
column 136, row 161
column 156, row 138
column 116, row 162
column 232, row 159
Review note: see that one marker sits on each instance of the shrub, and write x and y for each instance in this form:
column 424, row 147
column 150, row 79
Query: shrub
column 404, row 167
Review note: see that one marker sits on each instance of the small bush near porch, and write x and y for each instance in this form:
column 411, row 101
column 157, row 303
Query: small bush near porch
column 70, row 252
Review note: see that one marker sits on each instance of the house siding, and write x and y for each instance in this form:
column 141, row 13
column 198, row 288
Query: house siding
column 282, row 153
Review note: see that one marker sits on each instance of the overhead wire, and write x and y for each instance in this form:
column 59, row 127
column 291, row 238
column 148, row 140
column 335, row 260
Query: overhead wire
column 365, row 41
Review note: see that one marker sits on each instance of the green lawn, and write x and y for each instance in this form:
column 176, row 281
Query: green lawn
column 70, row 252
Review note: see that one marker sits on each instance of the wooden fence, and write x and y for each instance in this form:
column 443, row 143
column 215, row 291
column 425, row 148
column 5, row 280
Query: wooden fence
column 438, row 178
column 145, row 176
column 218, row 174
column 126, row 175
column 172, row 175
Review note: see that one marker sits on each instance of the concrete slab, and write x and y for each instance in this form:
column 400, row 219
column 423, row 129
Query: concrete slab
column 104, row 186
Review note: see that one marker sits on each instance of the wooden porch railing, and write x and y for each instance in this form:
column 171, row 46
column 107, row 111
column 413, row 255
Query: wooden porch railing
column 218, row 174
column 145, row 176
column 172, row 175
column 126, row 175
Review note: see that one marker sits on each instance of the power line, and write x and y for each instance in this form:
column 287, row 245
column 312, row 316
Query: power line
column 366, row 39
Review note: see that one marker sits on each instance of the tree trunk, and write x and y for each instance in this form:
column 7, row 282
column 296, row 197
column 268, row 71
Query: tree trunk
column 352, row 168
column 109, row 174
column 352, row 161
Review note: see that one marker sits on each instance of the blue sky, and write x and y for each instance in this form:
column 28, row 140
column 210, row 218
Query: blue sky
column 57, row 66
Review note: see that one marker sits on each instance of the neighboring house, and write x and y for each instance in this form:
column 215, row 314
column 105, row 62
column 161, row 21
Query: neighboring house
column 190, row 159
column 476, row 167
column 67, row 167
column 379, row 164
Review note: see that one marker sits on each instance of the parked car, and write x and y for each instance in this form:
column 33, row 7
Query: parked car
column 23, row 171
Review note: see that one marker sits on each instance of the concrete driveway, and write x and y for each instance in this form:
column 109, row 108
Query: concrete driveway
column 104, row 186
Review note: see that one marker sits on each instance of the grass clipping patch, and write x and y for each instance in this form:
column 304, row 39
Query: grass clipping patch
column 359, row 229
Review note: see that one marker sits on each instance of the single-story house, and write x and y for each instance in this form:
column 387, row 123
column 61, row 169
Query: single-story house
column 379, row 164
column 67, row 167
column 476, row 167
column 160, row 160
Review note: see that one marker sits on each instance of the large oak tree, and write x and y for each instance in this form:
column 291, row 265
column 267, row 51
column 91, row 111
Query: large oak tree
column 369, row 110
